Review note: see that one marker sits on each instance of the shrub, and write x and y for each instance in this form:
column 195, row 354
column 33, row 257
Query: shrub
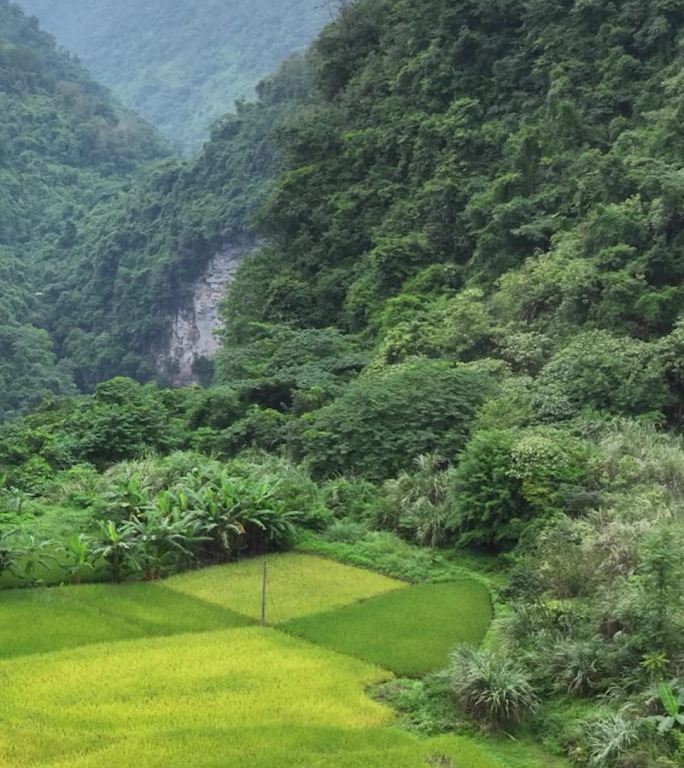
column 122, row 420
column 77, row 486
column 492, row 689
column 486, row 500
column 603, row 739
column 353, row 497
column 601, row 371
column 346, row 531
column 382, row 421
column 661, row 588
column 564, row 559
column 576, row 665
column 261, row 428
column 634, row 453
column 553, row 468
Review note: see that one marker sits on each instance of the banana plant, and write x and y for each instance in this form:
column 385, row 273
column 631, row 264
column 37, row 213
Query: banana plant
column 118, row 547
column 216, row 507
column 126, row 498
column 163, row 540
column 672, row 700
column 10, row 553
column 78, row 561
column 34, row 556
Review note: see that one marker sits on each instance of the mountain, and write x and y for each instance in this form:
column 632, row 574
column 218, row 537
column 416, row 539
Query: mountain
column 149, row 266
column 518, row 162
column 182, row 65
column 454, row 350
column 65, row 144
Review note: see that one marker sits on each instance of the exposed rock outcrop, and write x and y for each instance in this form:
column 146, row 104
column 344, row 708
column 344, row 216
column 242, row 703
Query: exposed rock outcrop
column 193, row 332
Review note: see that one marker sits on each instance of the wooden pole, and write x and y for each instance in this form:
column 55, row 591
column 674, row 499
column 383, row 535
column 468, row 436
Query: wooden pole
column 262, row 621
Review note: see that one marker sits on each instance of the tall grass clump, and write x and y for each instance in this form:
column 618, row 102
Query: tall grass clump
column 492, row 689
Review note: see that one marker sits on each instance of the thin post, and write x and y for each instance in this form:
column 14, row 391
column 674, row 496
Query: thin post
column 262, row 620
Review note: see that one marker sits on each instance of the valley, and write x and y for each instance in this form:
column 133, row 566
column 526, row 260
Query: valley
column 342, row 424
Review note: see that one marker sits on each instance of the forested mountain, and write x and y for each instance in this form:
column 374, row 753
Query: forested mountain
column 134, row 260
column 529, row 153
column 461, row 328
column 64, row 145
column 182, row 65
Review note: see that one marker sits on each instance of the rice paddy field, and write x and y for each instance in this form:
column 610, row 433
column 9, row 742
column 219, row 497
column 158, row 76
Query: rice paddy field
column 179, row 673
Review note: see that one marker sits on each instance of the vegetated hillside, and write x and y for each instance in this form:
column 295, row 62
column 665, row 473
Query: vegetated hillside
column 463, row 330
column 64, row 144
column 182, row 65
column 134, row 260
column 489, row 196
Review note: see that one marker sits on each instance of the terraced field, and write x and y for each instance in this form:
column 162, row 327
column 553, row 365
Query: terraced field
column 180, row 674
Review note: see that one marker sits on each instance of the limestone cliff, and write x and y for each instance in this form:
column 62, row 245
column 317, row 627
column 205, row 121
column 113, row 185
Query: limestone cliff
column 193, row 331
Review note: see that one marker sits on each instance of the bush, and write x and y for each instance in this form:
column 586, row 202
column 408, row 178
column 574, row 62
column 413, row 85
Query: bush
column 600, row 371
column 603, row 739
column 552, row 466
column 352, row 497
column 345, row 531
column 381, row 422
column 260, row 428
column 565, row 559
column 490, row 688
column 577, row 665
column 488, row 508
column 417, row 501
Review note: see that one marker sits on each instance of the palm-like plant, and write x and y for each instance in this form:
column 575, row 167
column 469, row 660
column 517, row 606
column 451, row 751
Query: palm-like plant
column 10, row 553
column 117, row 546
column 78, row 553
column 164, row 537
column 418, row 501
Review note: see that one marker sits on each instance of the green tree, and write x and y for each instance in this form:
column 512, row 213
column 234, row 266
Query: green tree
column 487, row 503
column 382, row 422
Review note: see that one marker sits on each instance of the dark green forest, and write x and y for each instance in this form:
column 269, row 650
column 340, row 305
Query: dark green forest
column 136, row 257
column 461, row 328
column 65, row 145
column 182, row 65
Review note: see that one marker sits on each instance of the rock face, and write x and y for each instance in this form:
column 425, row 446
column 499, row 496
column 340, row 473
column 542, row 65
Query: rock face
column 193, row 333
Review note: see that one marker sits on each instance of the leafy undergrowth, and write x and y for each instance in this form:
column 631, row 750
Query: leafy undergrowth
column 426, row 707
column 297, row 585
column 48, row 522
column 242, row 697
column 386, row 553
column 410, row 631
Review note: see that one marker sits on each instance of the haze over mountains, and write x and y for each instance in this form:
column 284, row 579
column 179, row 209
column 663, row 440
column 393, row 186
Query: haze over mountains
column 180, row 64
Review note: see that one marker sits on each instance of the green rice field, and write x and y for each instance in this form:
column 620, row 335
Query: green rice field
column 179, row 673
column 409, row 631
